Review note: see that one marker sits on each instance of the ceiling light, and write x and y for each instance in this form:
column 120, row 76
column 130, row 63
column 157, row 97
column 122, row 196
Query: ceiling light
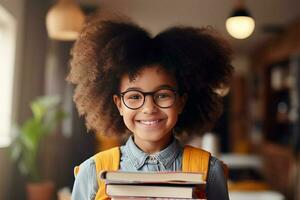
column 222, row 90
column 64, row 20
column 240, row 24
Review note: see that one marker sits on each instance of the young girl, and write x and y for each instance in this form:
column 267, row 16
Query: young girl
column 152, row 87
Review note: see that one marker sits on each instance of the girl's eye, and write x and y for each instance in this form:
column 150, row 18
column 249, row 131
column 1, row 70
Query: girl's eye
column 163, row 96
column 135, row 97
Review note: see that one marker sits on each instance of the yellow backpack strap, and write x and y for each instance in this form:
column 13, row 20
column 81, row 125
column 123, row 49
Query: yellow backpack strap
column 76, row 170
column 195, row 160
column 106, row 160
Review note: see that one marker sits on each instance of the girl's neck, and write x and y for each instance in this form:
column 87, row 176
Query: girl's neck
column 152, row 147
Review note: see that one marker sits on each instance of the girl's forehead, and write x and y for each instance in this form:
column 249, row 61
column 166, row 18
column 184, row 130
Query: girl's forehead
column 149, row 78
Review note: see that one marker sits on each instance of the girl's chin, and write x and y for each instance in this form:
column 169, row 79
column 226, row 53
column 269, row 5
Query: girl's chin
column 151, row 144
column 153, row 136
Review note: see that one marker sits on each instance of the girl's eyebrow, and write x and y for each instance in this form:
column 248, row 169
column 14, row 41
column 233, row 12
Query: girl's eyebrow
column 157, row 88
column 166, row 87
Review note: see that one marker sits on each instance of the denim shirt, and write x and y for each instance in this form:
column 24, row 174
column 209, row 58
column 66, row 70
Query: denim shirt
column 134, row 159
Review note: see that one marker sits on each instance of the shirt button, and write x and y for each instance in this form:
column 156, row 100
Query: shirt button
column 152, row 159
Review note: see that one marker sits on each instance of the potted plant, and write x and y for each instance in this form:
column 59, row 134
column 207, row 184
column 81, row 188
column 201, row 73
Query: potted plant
column 46, row 115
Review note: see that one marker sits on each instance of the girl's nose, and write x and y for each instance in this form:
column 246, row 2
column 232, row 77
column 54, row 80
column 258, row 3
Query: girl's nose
column 149, row 106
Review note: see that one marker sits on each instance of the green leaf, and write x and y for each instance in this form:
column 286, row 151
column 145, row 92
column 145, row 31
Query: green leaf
column 24, row 149
column 43, row 104
column 16, row 151
column 31, row 132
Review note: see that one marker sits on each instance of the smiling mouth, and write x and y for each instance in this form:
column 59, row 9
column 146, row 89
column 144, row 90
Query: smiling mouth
column 149, row 122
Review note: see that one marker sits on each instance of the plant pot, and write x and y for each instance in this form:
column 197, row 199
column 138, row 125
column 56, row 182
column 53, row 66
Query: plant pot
column 40, row 191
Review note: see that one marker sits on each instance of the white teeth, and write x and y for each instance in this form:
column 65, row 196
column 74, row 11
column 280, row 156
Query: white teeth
column 149, row 122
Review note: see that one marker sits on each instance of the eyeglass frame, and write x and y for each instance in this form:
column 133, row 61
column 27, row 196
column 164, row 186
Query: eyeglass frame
column 151, row 94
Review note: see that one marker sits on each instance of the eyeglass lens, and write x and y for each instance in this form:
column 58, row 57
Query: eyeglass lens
column 163, row 98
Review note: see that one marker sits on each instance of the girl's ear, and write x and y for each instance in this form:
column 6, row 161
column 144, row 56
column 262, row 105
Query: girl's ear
column 117, row 101
column 182, row 101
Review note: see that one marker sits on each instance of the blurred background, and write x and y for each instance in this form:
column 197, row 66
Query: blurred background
column 42, row 139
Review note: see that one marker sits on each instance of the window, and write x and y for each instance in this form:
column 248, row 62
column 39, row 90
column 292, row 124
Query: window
column 7, row 59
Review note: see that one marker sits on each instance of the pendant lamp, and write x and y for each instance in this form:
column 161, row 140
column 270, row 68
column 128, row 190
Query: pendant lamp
column 64, row 20
column 240, row 23
column 222, row 90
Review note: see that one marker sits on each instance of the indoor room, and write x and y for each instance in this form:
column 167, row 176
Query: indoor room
column 255, row 136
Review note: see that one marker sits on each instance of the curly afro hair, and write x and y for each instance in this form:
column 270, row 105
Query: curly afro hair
column 108, row 49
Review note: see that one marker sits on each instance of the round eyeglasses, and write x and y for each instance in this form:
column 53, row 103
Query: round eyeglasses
column 135, row 99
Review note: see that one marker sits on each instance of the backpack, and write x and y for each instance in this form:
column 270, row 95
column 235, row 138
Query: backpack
column 193, row 160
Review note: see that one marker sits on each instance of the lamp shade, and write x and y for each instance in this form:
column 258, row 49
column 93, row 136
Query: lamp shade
column 64, row 20
column 222, row 90
column 240, row 24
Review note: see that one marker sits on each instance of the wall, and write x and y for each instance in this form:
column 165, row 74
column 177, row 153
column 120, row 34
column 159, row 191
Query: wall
column 41, row 67
column 28, row 80
column 16, row 9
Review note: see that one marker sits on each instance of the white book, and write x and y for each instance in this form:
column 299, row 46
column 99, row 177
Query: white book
column 155, row 191
column 152, row 177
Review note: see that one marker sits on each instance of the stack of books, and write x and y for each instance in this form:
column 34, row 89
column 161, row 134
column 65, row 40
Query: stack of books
column 154, row 185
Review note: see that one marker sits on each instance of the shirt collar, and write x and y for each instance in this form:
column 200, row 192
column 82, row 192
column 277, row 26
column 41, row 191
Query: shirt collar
column 165, row 157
